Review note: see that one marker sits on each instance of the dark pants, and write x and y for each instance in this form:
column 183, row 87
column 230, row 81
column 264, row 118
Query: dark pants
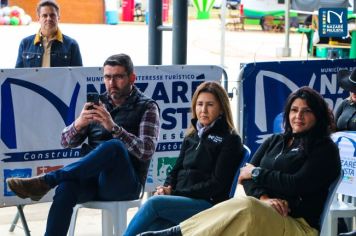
column 106, row 173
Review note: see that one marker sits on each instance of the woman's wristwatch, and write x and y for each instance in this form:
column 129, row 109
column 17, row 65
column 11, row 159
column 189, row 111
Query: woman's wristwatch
column 255, row 173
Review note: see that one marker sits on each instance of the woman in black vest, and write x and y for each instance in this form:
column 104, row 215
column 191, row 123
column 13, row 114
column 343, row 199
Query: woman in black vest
column 202, row 176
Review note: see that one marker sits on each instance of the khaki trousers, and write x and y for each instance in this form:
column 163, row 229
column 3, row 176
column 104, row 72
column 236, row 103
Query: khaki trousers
column 244, row 216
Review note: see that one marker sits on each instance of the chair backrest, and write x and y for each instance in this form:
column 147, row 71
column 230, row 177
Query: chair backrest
column 246, row 159
column 329, row 200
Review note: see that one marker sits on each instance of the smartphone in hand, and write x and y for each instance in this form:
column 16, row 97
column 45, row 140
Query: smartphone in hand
column 94, row 98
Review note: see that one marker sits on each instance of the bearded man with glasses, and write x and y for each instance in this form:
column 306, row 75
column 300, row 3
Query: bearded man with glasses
column 122, row 131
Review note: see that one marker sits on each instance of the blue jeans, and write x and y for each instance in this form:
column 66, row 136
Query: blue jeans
column 162, row 211
column 106, row 173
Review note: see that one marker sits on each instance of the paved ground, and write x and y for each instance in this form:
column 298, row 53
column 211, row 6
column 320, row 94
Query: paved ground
column 88, row 222
column 97, row 42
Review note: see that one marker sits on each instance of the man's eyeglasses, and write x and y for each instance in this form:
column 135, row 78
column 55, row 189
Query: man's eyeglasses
column 115, row 76
column 52, row 16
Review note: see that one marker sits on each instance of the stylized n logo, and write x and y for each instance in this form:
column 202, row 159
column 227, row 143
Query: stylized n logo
column 8, row 132
column 339, row 16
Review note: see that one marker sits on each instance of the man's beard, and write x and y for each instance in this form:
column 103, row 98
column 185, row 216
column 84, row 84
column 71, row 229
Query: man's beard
column 120, row 93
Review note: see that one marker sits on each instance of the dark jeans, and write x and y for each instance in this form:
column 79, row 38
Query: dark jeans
column 106, row 173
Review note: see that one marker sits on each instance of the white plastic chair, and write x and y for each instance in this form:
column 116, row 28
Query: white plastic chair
column 339, row 209
column 335, row 208
column 325, row 219
column 351, row 201
column 114, row 215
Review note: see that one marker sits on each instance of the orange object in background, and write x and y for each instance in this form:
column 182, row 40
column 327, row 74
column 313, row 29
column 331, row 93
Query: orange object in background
column 78, row 11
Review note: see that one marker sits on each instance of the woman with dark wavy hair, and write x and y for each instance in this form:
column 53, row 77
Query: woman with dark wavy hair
column 286, row 182
column 320, row 109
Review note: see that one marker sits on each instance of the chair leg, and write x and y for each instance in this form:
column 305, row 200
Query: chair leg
column 333, row 226
column 327, row 227
column 107, row 222
column 73, row 221
column 121, row 220
column 349, row 223
column 113, row 216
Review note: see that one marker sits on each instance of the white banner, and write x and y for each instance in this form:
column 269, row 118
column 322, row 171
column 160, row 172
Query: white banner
column 346, row 141
column 36, row 104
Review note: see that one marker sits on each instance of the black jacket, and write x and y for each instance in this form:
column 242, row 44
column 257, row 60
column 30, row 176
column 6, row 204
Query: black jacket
column 206, row 166
column 345, row 116
column 300, row 176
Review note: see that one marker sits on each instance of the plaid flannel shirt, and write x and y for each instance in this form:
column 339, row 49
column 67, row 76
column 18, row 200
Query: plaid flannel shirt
column 142, row 146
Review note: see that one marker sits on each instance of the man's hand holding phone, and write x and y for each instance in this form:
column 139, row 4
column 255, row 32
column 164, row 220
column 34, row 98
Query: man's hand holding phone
column 94, row 111
column 88, row 112
column 92, row 98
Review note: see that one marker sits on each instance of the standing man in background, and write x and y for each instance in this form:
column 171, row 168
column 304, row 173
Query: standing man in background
column 49, row 47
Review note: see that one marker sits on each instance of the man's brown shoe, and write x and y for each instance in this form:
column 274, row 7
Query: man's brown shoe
column 34, row 188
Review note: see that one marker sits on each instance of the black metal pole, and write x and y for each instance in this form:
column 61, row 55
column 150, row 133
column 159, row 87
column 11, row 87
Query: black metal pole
column 154, row 34
column 180, row 26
